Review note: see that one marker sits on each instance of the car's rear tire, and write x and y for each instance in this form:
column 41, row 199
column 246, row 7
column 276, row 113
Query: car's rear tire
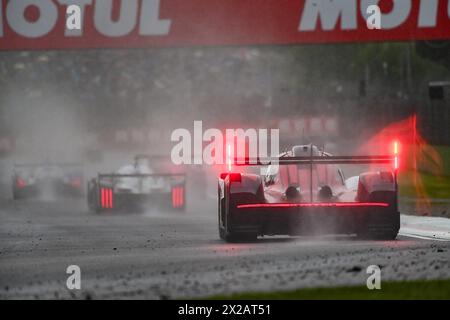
column 92, row 197
column 242, row 237
column 220, row 209
column 368, row 233
column 236, row 237
column 379, row 225
column 224, row 229
column 224, row 234
column 231, row 237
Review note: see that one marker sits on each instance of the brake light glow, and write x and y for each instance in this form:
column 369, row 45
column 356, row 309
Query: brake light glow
column 75, row 182
column 310, row 204
column 396, row 161
column 103, row 197
column 229, row 157
column 234, row 177
column 175, row 197
column 20, row 182
column 178, row 197
column 106, row 198
column 111, row 198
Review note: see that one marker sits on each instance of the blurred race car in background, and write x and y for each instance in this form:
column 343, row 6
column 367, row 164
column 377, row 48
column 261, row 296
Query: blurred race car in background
column 137, row 186
column 53, row 179
column 304, row 192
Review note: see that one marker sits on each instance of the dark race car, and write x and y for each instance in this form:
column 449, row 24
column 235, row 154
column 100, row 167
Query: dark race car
column 136, row 187
column 35, row 180
column 305, row 193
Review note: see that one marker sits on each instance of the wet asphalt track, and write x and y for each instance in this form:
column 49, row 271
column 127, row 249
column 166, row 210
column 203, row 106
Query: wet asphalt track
column 161, row 255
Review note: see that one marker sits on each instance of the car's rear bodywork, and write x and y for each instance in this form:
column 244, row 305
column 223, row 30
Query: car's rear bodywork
column 308, row 195
column 35, row 180
column 135, row 192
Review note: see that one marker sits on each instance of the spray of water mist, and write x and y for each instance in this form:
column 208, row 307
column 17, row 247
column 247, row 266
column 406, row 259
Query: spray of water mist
column 416, row 156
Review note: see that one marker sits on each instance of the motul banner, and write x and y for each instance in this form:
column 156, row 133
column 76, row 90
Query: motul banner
column 42, row 24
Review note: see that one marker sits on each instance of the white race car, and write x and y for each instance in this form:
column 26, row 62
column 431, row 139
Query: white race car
column 137, row 186
column 304, row 192
column 34, row 180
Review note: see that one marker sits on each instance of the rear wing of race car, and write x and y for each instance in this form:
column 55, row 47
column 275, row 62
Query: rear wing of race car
column 55, row 165
column 111, row 177
column 76, row 169
column 70, row 174
column 377, row 159
column 318, row 160
column 324, row 158
column 139, row 175
column 65, row 167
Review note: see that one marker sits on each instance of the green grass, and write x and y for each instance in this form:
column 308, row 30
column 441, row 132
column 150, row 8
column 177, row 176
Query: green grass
column 444, row 151
column 403, row 290
column 437, row 187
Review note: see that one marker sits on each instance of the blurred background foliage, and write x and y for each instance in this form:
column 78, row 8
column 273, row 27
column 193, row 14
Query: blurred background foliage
column 375, row 82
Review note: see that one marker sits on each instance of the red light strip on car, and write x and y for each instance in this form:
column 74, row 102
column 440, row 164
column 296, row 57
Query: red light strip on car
column 20, row 183
column 177, row 197
column 181, row 196
column 75, row 182
column 174, row 197
column 106, row 198
column 308, row 204
column 103, row 197
column 110, row 198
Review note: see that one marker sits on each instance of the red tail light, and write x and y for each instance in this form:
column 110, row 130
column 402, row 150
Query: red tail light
column 106, row 198
column 103, row 197
column 20, row 183
column 174, row 197
column 177, row 197
column 234, row 177
column 111, row 198
column 75, row 182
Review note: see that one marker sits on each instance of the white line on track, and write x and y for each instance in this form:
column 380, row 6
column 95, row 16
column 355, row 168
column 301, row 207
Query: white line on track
column 429, row 228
